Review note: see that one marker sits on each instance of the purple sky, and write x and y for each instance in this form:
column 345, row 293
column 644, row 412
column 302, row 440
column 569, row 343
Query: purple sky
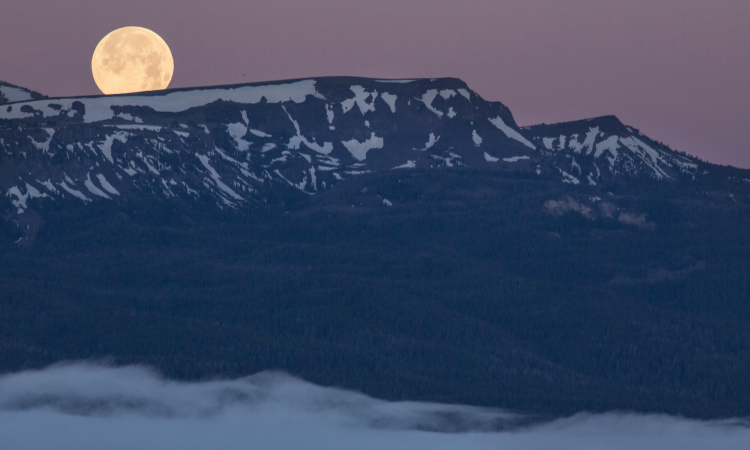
column 679, row 70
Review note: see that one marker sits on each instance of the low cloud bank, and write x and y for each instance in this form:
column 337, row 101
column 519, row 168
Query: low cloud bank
column 87, row 406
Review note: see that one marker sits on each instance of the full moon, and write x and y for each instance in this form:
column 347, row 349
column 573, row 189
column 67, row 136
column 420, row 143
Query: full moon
column 132, row 59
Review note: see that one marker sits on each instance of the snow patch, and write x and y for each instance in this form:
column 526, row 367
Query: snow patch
column 301, row 185
column 146, row 161
column 510, row 132
column 447, row 93
column 137, row 127
column 448, row 161
column 190, row 191
column 408, row 165
column 647, row 154
column 106, row 146
column 574, row 144
column 390, row 100
column 428, row 98
column 14, row 94
column 515, row 159
column 609, row 145
column 430, row 143
column 575, row 165
column 451, row 114
column 313, row 178
column 217, row 179
column 360, row 99
column 568, row 178
column 48, row 184
column 21, row 198
column 229, row 158
column 100, row 108
column 328, row 160
column 44, row 146
column 477, row 139
column 590, row 140
column 684, row 164
column 129, row 171
column 74, row 193
column 251, row 175
column 295, row 141
column 359, row 149
column 464, row 93
column 105, row 184
column 93, row 189
column 283, row 158
column 238, row 131
column 129, row 117
column 490, row 158
column 259, row 133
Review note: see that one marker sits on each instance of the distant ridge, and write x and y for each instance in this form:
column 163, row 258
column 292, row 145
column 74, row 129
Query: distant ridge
column 10, row 93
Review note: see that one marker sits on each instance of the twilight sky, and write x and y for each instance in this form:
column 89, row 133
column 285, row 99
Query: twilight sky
column 679, row 70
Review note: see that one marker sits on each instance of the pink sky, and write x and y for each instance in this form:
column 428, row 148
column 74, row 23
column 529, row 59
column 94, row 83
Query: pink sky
column 679, row 70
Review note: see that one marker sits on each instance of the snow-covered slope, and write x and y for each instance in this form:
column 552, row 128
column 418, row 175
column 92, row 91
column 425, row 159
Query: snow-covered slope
column 231, row 145
column 11, row 94
column 589, row 151
column 235, row 145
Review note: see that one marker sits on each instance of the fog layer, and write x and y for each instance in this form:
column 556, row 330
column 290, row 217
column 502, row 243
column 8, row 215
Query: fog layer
column 87, row 406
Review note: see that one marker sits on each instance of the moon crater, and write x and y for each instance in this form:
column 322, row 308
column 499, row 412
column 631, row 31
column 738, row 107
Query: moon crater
column 132, row 59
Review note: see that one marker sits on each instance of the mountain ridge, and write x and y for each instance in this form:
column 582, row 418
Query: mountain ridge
column 10, row 93
column 398, row 238
column 312, row 134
